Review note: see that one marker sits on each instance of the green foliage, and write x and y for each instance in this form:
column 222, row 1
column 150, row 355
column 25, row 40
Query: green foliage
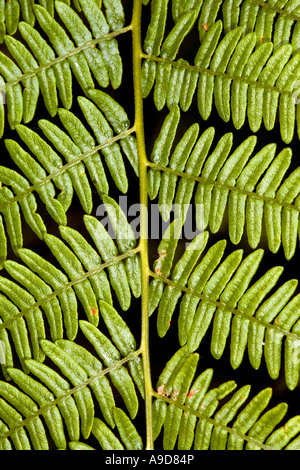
column 78, row 295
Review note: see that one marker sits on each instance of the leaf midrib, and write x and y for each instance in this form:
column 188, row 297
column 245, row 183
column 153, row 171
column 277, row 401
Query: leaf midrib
column 68, row 285
column 220, row 184
column 66, row 166
column 63, row 57
column 70, row 392
column 214, row 422
column 216, row 73
column 221, row 305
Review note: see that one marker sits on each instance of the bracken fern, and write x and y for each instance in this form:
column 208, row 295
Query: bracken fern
column 109, row 329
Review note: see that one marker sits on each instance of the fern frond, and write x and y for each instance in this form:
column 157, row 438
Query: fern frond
column 227, row 72
column 92, row 366
column 118, row 274
column 14, row 11
column 79, row 311
column 51, row 78
column 11, row 210
column 194, row 416
column 35, row 173
column 251, row 188
column 17, row 329
column 59, row 284
column 220, row 293
column 63, row 45
column 78, row 148
column 278, row 23
column 66, row 410
column 109, row 354
column 10, row 13
column 76, row 445
column 57, row 296
column 105, row 437
column 271, row 21
column 85, row 373
column 128, row 433
column 43, row 69
column 117, row 117
column 82, row 35
column 21, row 402
column 25, row 299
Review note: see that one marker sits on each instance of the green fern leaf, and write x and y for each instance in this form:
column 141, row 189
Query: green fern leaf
column 11, row 211
column 73, row 267
column 11, row 16
column 39, row 289
column 27, row 407
column 100, row 27
column 79, row 446
column 51, row 163
column 81, row 35
column 58, row 281
column 32, row 86
column 210, row 428
column 109, row 354
column 44, row 54
column 127, row 431
column 3, row 243
column 101, row 387
column 18, row 331
column 118, row 118
column 105, row 437
column 23, row 300
column 34, row 173
column 208, row 299
column 264, row 19
column 249, row 72
column 181, row 386
column 38, row 392
column 62, row 44
column 108, row 250
column 90, row 260
column 60, row 387
column 76, row 375
column 103, row 132
column 216, row 174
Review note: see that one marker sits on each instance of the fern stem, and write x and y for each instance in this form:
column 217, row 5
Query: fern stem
column 139, row 125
